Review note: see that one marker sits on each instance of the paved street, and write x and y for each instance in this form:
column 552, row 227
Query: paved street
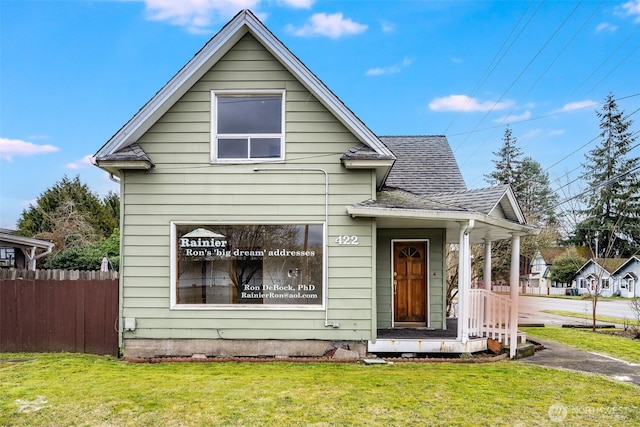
column 530, row 309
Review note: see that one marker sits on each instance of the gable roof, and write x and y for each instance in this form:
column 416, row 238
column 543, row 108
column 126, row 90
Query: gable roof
column 244, row 22
column 610, row 265
column 627, row 262
column 482, row 201
column 397, row 208
column 549, row 255
column 424, row 165
column 493, row 201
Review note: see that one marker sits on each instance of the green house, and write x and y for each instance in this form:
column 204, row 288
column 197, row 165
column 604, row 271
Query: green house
column 261, row 217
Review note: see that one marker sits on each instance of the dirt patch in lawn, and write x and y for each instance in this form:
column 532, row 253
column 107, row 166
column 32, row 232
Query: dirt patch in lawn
column 10, row 362
column 630, row 333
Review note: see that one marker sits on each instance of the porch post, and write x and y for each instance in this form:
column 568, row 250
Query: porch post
column 30, row 256
column 487, row 264
column 464, row 281
column 514, row 283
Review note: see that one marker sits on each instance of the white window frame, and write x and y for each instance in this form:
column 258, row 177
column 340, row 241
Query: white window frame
column 215, row 94
column 173, row 275
column 623, row 283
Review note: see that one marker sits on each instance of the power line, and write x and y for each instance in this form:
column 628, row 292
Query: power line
column 523, row 70
column 605, row 61
column 562, row 112
column 495, row 61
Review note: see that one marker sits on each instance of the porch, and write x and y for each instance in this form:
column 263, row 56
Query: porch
column 425, row 340
column 489, row 318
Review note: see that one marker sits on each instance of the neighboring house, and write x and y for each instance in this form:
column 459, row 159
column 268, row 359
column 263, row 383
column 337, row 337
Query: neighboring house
column 261, row 217
column 539, row 281
column 21, row 252
column 598, row 277
column 626, row 277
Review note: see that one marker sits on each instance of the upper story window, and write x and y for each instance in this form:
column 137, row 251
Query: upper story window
column 247, row 126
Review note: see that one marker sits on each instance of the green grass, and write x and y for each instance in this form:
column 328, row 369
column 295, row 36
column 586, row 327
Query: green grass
column 85, row 390
column 585, row 339
column 619, row 320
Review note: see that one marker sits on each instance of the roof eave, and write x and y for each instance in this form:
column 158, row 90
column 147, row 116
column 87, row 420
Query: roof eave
column 378, row 212
column 115, row 166
column 26, row 242
column 381, row 166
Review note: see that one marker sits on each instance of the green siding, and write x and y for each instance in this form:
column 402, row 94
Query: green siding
column 185, row 186
column 436, row 268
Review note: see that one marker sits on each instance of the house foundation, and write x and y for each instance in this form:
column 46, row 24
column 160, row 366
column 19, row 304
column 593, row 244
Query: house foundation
column 153, row 348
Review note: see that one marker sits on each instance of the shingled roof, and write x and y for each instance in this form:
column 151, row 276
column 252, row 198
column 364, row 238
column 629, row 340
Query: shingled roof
column 132, row 152
column 425, row 165
column 482, row 201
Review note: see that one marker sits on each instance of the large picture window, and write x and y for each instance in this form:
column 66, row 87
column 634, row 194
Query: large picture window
column 248, row 126
column 257, row 264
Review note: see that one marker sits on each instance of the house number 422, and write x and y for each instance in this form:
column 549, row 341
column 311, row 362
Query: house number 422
column 347, row 240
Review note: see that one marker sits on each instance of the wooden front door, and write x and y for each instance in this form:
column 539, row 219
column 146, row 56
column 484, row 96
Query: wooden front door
column 410, row 282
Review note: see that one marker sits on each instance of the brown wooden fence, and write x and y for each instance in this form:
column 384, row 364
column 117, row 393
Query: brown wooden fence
column 54, row 315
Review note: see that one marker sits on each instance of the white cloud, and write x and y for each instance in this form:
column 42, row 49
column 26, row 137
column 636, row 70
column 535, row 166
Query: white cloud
column 463, row 103
column 333, row 26
column 572, row 106
column 605, row 26
column 15, row 147
column 195, row 15
column 632, row 8
column 531, row 134
column 456, row 60
column 387, row 27
column 514, row 117
column 379, row 71
column 298, row 4
column 536, row 133
column 84, row 162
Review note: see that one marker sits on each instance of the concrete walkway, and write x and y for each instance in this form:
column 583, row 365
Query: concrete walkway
column 565, row 357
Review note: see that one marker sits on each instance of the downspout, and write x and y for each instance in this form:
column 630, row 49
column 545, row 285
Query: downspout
column 120, row 326
column 325, row 252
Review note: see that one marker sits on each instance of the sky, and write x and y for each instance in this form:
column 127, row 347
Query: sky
column 72, row 72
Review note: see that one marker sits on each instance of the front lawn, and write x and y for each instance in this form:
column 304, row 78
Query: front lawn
column 589, row 319
column 585, row 339
column 85, row 390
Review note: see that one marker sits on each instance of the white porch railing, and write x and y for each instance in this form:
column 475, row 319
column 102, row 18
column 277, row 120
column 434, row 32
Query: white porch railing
column 489, row 315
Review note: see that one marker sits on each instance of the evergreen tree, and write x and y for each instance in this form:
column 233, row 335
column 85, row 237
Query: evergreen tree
column 507, row 161
column 531, row 187
column 70, row 215
column 613, row 204
column 533, row 192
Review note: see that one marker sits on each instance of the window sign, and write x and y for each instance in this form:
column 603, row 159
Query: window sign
column 253, row 264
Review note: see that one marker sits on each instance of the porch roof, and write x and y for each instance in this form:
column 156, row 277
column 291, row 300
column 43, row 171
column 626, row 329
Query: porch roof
column 493, row 210
column 10, row 239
